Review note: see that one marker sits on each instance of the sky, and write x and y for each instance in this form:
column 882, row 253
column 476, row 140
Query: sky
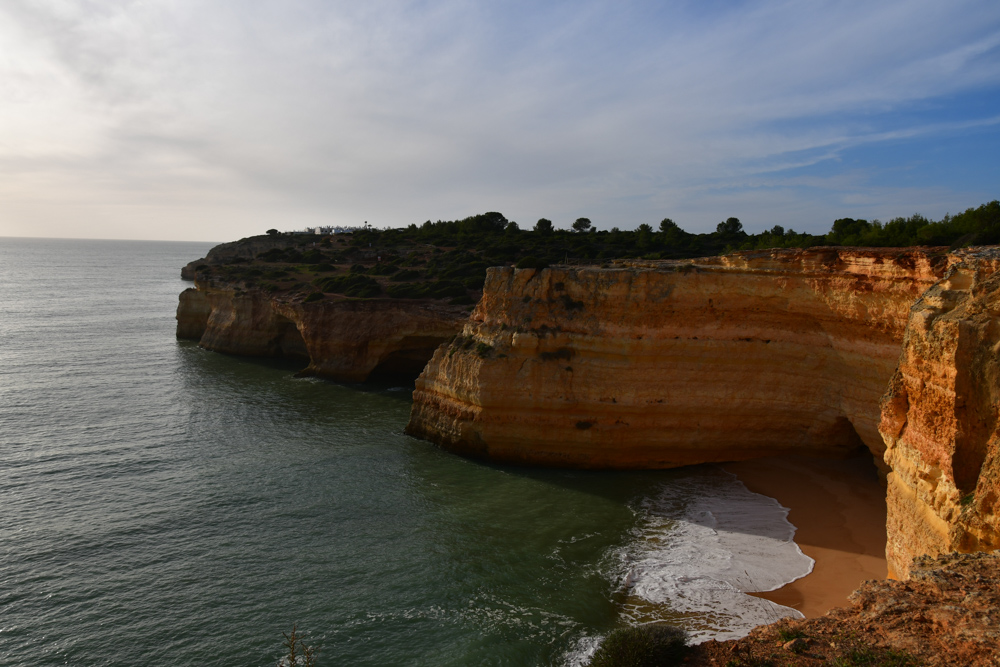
column 211, row 120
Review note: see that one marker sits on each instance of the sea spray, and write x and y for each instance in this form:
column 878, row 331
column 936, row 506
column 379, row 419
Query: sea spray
column 703, row 542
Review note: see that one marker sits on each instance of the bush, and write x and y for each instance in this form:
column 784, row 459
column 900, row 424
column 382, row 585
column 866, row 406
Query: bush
column 530, row 262
column 653, row 645
column 544, row 226
column 439, row 289
column 406, row 274
column 315, row 296
column 354, row 285
column 475, row 283
column 312, row 256
column 383, row 269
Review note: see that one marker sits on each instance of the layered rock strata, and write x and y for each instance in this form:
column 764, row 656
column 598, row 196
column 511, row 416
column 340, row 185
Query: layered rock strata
column 662, row 364
column 342, row 339
column 940, row 418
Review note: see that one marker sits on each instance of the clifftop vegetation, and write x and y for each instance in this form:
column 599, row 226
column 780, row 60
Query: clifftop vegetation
column 448, row 259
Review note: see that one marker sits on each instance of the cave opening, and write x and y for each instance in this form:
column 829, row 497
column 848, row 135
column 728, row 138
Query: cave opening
column 289, row 344
column 407, row 361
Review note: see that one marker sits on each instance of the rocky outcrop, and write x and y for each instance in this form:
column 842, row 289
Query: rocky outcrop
column 238, row 251
column 947, row 614
column 342, row 339
column 940, row 418
column 661, row 364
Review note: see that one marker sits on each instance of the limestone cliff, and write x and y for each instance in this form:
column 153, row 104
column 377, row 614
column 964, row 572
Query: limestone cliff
column 661, row 364
column 342, row 339
column 940, row 418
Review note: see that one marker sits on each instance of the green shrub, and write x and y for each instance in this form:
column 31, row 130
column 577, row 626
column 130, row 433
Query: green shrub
column 653, row 645
column 407, row 274
column 440, row 289
column 868, row 656
column 475, row 283
column 530, row 262
column 312, row 256
column 354, row 285
column 788, row 634
column 315, row 296
column 382, row 270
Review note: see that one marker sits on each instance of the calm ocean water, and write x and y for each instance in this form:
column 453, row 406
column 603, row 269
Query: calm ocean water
column 164, row 505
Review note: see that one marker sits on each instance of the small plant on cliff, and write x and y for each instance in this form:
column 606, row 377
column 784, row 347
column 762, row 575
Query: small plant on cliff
column 869, row 656
column 653, row 645
column 315, row 296
column 788, row 634
column 299, row 653
column 483, row 349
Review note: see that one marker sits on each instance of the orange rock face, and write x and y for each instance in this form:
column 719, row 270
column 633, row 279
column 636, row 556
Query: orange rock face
column 662, row 364
column 946, row 615
column 343, row 339
column 939, row 419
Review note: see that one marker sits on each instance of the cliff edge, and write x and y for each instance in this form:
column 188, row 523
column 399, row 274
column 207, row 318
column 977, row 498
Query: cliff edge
column 671, row 363
column 940, row 417
column 341, row 338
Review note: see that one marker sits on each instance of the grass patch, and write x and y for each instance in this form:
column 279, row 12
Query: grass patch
column 653, row 645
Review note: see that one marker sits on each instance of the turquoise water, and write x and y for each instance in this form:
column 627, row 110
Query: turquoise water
column 164, row 505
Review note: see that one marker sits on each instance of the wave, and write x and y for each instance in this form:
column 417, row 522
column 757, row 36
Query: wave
column 703, row 543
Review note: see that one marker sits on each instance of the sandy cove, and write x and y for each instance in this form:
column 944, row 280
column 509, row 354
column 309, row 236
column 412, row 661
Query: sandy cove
column 837, row 509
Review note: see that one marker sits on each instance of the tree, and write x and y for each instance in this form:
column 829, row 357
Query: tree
column 644, row 234
column 272, row 232
column 543, row 226
column 777, row 230
column 731, row 227
column 668, row 225
column 582, row 225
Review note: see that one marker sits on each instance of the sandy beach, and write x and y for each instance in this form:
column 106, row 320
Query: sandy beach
column 838, row 509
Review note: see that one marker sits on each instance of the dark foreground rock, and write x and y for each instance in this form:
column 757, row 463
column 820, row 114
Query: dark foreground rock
column 947, row 613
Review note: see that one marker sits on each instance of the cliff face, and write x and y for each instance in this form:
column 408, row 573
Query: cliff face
column 343, row 339
column 671, row 363
column 939, row 419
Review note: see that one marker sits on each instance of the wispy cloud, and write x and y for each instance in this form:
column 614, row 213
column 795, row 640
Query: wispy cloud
column 189, row 119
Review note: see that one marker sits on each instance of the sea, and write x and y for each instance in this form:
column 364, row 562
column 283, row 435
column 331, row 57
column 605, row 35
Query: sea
column 165, row 505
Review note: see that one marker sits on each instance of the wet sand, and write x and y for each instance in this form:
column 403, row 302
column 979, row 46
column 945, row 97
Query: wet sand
column 838, row 509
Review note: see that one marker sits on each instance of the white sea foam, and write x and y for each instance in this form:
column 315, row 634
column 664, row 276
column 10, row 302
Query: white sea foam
column 703, row 542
